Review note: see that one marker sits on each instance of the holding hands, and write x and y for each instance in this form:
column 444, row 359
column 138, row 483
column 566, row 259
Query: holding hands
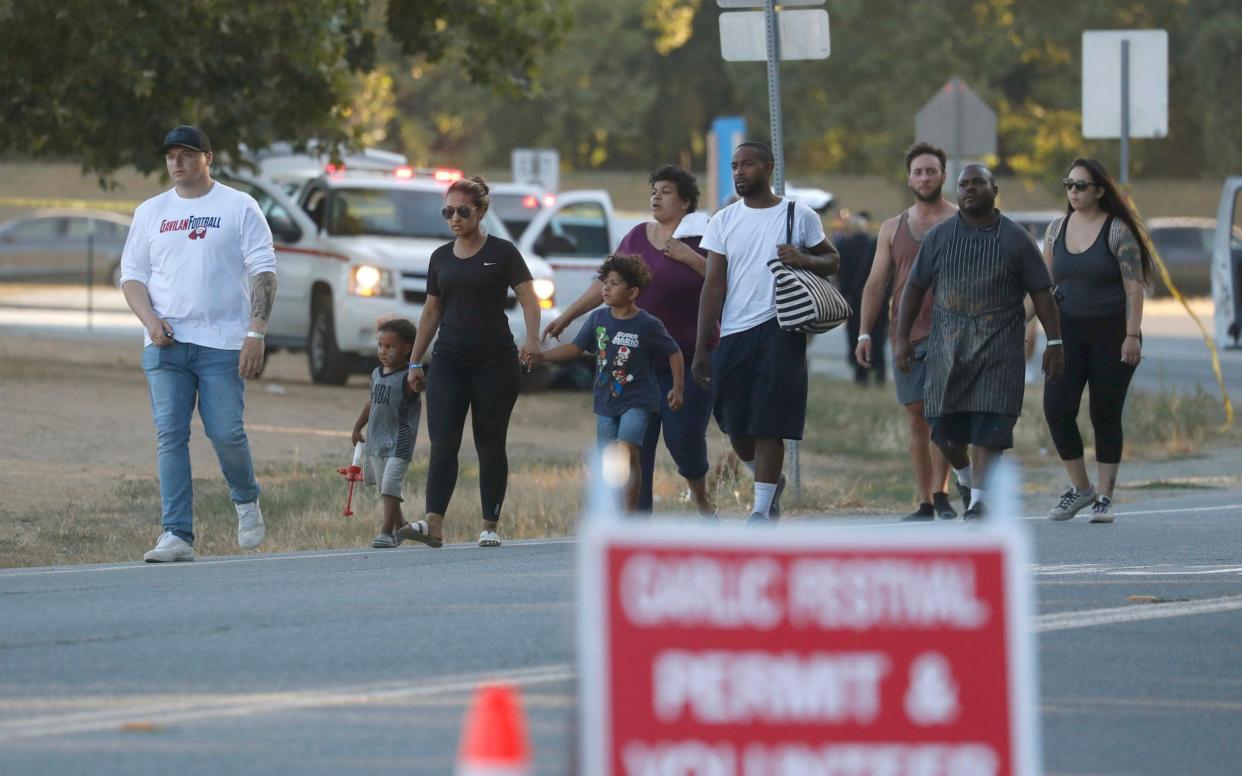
column 417, row 378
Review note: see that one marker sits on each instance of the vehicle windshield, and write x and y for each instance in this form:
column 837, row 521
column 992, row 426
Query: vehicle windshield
column 385, row 212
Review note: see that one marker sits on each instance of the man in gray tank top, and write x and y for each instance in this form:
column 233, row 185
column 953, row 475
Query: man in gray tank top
column 896, row 247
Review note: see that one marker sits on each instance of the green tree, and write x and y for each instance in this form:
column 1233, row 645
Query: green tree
column 102, row 82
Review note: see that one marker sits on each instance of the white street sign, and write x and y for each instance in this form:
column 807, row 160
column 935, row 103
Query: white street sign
column 1101, row 83
column 759, row 3
column 803, row 35
column 540, row 166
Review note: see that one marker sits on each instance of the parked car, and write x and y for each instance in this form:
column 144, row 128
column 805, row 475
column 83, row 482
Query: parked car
column 816, row 199
column 354, row 247
column 59, row 245
column 1185, row 246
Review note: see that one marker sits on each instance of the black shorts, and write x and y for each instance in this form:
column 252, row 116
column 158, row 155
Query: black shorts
column 760, row 379
column 985, row 429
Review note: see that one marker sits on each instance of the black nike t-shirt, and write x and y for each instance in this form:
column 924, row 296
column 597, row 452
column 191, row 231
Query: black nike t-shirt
column 472, row 293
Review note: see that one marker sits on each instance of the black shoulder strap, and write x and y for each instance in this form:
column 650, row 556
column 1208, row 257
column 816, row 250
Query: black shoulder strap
column 789, row 221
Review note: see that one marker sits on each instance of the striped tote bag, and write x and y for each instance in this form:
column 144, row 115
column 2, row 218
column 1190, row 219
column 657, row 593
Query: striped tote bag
column 805, row 302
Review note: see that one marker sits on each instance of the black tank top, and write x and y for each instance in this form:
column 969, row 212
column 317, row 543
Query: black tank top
column 1088, row 283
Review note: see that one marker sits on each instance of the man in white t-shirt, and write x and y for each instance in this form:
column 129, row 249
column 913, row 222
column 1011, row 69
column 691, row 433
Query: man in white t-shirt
column 759, row 369
column 199, row 271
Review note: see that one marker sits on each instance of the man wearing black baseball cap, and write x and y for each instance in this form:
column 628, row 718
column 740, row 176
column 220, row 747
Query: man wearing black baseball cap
column 199, row 271
column 186, row 136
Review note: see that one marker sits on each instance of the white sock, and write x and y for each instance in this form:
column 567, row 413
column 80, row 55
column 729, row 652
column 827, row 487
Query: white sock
column 977, row 496
column 763, row 496
column 963, row 475
column 750, row 465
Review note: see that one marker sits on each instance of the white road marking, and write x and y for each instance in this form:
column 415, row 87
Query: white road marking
column 138, row 566
column 162, row 712
column 1134, row 613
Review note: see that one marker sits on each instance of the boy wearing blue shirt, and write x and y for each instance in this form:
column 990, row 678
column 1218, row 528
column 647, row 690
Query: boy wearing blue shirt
column 625, row 342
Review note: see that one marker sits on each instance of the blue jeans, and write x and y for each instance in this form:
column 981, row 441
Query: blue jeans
column 685, row 432
column 179, row 375
column 630, row 426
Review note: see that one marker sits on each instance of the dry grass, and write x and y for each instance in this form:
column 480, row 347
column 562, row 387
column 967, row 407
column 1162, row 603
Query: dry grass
column 854, row 460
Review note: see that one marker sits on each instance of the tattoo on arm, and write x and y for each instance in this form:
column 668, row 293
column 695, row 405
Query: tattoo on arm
column 262, row 294
column 1129, row 257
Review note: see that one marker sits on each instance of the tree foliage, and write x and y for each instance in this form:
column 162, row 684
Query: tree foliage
column 638, row 82
column 102, row 82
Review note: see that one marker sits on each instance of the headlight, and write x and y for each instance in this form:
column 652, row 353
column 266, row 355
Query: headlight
column 365, row 280
column 545, row 292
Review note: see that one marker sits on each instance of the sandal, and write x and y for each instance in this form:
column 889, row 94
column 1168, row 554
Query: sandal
column 489, row 539
column 417, row 532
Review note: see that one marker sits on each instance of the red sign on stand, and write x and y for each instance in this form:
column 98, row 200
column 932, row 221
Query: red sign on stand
column 817, row 651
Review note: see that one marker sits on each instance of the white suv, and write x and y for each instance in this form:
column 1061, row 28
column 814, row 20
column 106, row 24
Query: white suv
column 353, row 248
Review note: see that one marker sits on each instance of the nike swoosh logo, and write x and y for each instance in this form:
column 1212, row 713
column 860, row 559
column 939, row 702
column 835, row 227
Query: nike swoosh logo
column 485, row 264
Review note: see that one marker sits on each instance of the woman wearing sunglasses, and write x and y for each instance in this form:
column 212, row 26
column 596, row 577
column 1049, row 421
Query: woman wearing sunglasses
column 477, row 369
column 1101, row 265
column 669, row 245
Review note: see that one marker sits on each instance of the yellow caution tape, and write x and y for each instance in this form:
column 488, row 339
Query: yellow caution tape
column 1207, row 338
column 118, row 205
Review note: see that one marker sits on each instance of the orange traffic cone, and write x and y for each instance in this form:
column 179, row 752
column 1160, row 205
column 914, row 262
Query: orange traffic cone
column 493, row 741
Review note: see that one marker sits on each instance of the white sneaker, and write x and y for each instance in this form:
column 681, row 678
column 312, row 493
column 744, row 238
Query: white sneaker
column 1072, row 501
column 1101, row 512
column 169, row 548
column 489, row 539
column 250, row 528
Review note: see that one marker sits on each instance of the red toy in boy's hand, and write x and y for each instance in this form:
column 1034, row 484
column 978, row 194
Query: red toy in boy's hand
column 353, row 473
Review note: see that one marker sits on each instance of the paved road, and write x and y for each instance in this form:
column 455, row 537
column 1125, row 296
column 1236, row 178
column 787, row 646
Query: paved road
column 361, row 661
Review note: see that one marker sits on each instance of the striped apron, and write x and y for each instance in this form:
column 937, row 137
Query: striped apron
column 975, row 360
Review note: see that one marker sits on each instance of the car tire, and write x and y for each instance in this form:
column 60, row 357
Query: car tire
column 328, row 365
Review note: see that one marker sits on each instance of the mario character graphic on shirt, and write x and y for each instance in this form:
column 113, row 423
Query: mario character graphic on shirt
column 620, row 377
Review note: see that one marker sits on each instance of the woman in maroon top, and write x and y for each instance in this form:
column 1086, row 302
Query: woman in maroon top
column 670, row 247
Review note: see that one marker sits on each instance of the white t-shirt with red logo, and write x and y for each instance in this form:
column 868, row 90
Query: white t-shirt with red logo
column 196, row 257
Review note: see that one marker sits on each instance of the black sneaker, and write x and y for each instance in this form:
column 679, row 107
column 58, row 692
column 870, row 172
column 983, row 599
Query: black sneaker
column 944, row 510
column 924, row 513
column 774, row 512
column 975, row 512
column 757, row 518
column 964, row 492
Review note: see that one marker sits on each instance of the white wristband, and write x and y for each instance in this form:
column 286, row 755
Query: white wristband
column 864, row 337
column 256, row 335
column 1053, row 342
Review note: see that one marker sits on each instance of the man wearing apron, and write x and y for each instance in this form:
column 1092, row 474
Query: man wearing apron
column 981, row 266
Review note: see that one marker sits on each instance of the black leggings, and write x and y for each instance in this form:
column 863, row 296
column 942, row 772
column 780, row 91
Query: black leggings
column 1092, row 357
column 488, row 389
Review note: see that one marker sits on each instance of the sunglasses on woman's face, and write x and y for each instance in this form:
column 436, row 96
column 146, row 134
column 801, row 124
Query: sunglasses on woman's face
column 1076, row 185
column 462, row 211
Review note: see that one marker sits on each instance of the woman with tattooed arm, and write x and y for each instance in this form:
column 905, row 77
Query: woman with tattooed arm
column 1101, row 266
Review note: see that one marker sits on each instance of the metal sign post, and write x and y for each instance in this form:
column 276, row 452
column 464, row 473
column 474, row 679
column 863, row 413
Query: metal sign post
column 1125, row 112
column 774, row 97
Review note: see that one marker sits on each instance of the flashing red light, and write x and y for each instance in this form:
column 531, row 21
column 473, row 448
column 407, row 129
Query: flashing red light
column 530, row 202
column 445, row 175
column 405, row 171
column 549, row 200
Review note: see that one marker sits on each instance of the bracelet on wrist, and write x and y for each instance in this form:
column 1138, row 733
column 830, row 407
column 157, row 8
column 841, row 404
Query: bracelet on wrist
column 1136, row 336
column 256, row 335
column 1053, row 342
column 864, row 337
column 415, row 365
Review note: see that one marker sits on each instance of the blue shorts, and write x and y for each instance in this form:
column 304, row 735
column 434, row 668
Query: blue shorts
column 630, row 426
